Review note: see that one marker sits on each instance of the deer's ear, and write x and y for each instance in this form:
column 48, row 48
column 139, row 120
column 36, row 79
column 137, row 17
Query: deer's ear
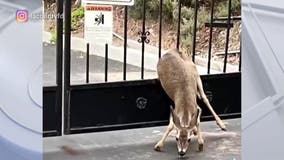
column 176, row 120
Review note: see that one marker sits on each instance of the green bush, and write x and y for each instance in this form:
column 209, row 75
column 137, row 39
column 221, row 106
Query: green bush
column 187, row 25
column 236, row 7
column 152, row 9
column 222, row 8
column 170, row 8
column 53, row 36
column 76, row 16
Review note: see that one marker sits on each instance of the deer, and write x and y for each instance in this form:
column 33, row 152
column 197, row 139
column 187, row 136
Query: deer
column 181, row 81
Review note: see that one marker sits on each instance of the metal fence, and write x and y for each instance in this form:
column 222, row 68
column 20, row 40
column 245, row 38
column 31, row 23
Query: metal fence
column 107, row 106
column 143, row 38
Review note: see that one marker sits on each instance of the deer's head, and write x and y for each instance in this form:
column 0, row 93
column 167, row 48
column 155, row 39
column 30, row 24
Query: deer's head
column 184, row 133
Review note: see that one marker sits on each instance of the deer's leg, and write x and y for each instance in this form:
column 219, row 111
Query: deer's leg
column 160, row 144
column 199, row 139
column 194, row 131
column 206, row 101
column 198, row 131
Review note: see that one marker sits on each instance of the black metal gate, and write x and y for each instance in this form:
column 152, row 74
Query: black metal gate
column 131, row 104
column 52, row 95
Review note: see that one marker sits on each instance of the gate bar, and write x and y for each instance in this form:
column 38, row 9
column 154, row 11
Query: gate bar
column 210, row 36
column 125, row 42
column 88, row 63
column 196, row 5
column 67, row 50
column 240, row 58
column 228, row 35
column 143, row 39
column 106, row 62
column 160, row 27
column 179, row 21
column 59, row 67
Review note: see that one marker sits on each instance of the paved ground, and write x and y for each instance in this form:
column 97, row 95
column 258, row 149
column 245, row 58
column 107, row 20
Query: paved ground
column 137, row 144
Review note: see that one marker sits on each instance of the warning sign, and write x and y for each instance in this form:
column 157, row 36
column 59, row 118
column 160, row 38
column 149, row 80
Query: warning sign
column 98, row 23
column 111, row 2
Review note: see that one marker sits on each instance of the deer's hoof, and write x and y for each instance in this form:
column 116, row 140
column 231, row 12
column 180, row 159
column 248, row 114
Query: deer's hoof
column 222, row 126
column 158, row 147
column 200, row 147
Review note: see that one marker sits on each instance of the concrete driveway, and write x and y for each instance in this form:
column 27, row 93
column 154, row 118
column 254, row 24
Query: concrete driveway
column 137, row 144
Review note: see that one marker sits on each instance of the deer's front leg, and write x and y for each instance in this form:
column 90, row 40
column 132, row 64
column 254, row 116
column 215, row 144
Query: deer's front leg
column 160, row 144
column 199, row 139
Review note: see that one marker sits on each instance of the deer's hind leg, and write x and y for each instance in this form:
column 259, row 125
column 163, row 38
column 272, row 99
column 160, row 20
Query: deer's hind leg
column 198, row 131
column 160, row 144
column 206, row 101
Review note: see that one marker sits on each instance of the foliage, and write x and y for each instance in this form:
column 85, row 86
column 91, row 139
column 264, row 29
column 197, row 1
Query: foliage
column 53, row 36
column 153, row 9
column 187, row 27
column 222, row 8
column 76, row 16
column 236, row 7
column 170, row 14
column 170, row 8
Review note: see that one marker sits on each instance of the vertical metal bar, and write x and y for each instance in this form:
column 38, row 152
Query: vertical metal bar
column 240, row 58
column 88, row 63
column 67, row 50
column 106, row 62
column 179, row 24
column 59, row 66
column 228, row 35
column 125, row 42
column 210, row 36
column 160, row 27
column 143, row 40
column 196, row 5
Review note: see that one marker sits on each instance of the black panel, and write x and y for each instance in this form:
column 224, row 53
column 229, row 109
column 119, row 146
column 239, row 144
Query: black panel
column 105, row 106
column 51, row 114
column 224, row 94
column 109, row 106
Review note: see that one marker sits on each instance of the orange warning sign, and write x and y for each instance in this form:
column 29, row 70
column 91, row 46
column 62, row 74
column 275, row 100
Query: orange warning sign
column 98, row 8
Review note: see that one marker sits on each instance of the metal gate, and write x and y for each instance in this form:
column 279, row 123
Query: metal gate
column 52, row 95
column 126, row 104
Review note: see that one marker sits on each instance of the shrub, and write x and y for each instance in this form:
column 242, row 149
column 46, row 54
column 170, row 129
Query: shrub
column 76, row 16
column 187, row 25
column 53, row 36
column 152, row 9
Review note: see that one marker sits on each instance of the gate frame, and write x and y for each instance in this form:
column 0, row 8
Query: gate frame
column 59, row 71
column 66, row 86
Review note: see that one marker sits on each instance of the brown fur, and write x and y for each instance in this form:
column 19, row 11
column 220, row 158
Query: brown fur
column 180, row 80
column 177, row 74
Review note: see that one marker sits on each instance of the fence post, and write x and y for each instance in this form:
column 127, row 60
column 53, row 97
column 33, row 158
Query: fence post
column 210, row 37
column 67, row 50
column 88, row 63
column 228, row 35
column 196, row 5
